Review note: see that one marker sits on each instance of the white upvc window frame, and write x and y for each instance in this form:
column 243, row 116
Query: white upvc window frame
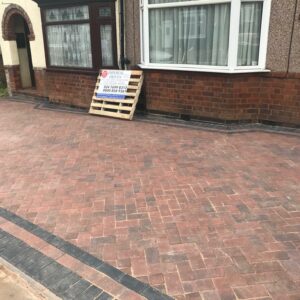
column 232, row 66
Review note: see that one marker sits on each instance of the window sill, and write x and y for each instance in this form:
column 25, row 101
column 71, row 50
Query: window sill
column 206, row 70
column 72, row 71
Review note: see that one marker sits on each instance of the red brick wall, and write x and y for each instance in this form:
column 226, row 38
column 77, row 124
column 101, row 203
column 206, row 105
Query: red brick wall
column 280, row 98
column 40, row 82
column 15, row 83
column 13, row 77
column 271, row 97
column 70, row 88
column 231, row 97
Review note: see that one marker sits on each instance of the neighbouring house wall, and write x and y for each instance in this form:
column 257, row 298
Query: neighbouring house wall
column 273, row 97
column 10, row 51
column 59, row 86
column 76, row 88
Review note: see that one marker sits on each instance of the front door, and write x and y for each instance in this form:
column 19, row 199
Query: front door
column 24, row 53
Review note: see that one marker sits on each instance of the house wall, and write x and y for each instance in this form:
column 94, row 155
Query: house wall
column 295, row 49
column 66, row 87
column 273, row 97
column 132, row 32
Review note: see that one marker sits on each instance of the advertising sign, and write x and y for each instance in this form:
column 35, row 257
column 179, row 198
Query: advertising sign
column 113, row 84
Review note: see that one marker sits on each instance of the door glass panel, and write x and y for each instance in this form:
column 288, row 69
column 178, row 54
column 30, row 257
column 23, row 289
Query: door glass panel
column 105, row 12
column 106, row 45
column 67, row 14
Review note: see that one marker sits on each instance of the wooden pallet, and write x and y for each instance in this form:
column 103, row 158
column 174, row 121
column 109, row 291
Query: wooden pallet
column 119, row 108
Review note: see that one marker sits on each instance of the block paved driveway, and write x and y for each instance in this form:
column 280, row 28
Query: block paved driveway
column 197, row 214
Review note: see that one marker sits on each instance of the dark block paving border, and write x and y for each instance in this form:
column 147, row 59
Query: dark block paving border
column 126, row 280
column 63, row 282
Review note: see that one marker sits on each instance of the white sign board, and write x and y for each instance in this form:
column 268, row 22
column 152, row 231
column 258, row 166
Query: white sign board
column 113, row 84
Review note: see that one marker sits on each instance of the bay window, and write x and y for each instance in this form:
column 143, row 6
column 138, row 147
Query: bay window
column 81, row 36
column 215, row 35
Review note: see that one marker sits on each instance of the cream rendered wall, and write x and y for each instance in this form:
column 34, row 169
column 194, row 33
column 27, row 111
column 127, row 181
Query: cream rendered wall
column 9, row 48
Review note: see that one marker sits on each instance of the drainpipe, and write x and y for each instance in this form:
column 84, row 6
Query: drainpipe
column 291, row 40
column 122, row 35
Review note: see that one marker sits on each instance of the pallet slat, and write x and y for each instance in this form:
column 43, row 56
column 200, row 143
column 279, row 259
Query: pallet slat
column 108, row 106
column 125, row 101
column 115, row 107
column 110, row 114
column 127, row 94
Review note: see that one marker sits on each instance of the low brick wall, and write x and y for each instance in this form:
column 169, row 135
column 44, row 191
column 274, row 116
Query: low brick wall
column 272, row 97
column 40, row 82
column 14, row 82
column 13, row 77
column 70, row 88
column 2, row 72
column 232, row 97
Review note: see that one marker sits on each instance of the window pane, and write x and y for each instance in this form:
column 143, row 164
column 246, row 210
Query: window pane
column 249, row 36
column 69, row 45
column 197, row 35
column 106, row 45
column 67, row 14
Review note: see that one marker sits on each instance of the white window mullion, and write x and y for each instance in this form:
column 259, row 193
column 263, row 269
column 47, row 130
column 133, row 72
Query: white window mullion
column 142, row 29
column 264, row 33
column 234, row 34
column 146, row 31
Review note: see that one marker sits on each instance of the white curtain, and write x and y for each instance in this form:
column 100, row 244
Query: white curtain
column 165, row 1
column 190, row 35
column 69, row 45
column 249, row 37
